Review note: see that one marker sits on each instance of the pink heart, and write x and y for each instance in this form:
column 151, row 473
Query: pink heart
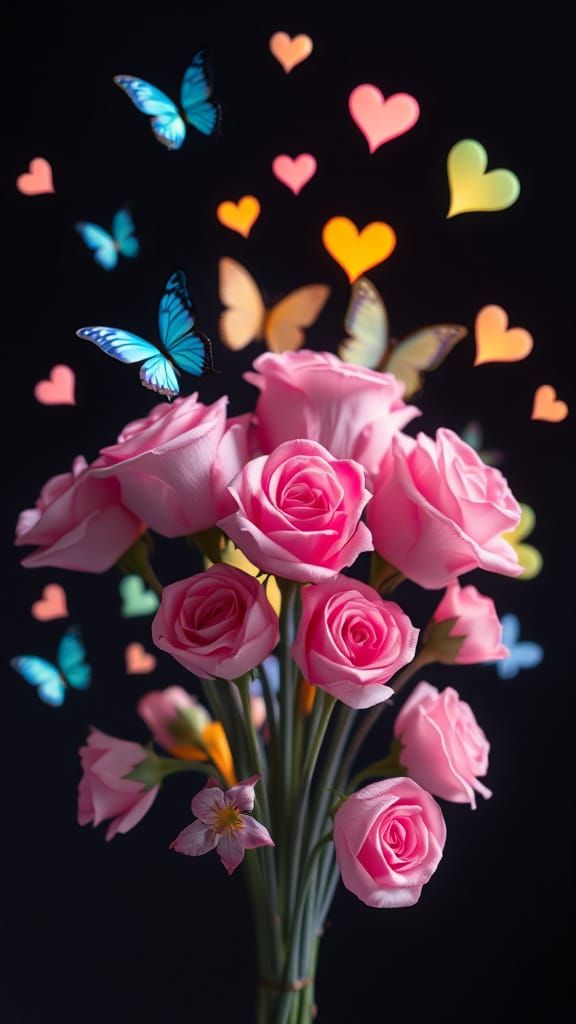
column 294, row 173
column 59, row 389
column 378, row 119
column 52, row 604
column 138, row 660
column 38, row 181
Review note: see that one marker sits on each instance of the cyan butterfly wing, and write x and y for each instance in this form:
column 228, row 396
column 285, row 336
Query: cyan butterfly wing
column 71, row 657
column 167, row 125
column 189, row 348
column 158, row 374
column 121, row 345
column 101, row 242
column 123, row 231
column 195, row 96
column 43, row 675
column 523, row 654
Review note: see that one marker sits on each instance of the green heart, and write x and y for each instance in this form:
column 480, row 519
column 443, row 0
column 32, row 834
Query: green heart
column 136, row 599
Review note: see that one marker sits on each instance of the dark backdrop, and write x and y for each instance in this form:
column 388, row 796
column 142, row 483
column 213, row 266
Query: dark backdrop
column 127, row 931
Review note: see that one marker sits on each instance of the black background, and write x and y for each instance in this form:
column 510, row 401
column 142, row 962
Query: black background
column 128, row 931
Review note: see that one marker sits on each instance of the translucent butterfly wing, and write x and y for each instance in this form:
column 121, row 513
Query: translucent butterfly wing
column 121, row 345
column 243, row 319
column 123, row 232
column 422, row 351
column 283, row 324
column 43, row 675
column 186, row 346
column 201, row 111
column 71, row 657
column 158, row 374
column 366, row 324
column 101, row 243
column 166, row 123
column 523, row 654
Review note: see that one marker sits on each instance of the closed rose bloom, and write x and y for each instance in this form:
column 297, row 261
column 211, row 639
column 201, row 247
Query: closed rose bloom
column 173, row 716
column 104, row 791
column 443, row 747
column 218, row 624
column 389, row 839
column 352, row 411
column 350, row 641
column 476, row 620
column 438, row 511
column 79, row 522
column 298, row 512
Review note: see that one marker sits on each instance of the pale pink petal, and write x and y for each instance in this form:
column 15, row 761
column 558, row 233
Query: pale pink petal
column 195, row 840
column 124, row 822
column 207, row 803
column 231, row 851
column 254, row 834
column 242, row 795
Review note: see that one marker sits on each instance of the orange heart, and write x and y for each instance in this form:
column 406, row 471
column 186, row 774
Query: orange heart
column 58, row 389
column 290, row 52
column 138, row 660
column 357, row 251
column 52, row 604
column 38, row 181
column 240, row 216
column 547, row 406
column 495, row 343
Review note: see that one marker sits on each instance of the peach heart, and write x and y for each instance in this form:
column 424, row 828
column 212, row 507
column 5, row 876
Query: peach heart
column 52, row 604
column 138, row 660
column 357, row 251
column 294, row 172
column 38, row 181
column 495, row 343
column 240, row 216
column 547, row 406
column 378, row 119
column 59, row 389
column 290, row 52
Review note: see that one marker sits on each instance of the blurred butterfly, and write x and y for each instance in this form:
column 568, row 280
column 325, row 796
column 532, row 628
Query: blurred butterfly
column 52, row 681
column 195, row 97
column 473, row 435
column 530, row 558
column 246, row 318
column 523, row 654
column 106, row 246
column 181, row 346
column 369, row 343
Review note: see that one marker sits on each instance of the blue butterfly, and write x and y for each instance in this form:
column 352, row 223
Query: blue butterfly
column 182, row 347
column 522, row 653
column 106, row 245
column 195, row 96
column 52, row 681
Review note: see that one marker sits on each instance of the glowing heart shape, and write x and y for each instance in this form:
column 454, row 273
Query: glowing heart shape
column 59, row 389
column 38, row 180
column 290, row 52
column 136, row 598
column 138, row 660
column 379, row 119
column 52, row 604
column 357, row 251
column 495, row 343
column 240, row 216
column 294, row 172
column 471, row 189
column 547, row 406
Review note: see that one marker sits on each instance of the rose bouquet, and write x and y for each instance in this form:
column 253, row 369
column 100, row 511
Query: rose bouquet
column 296, row 657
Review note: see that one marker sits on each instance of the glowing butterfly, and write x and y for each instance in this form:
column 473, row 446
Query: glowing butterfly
column 523, row 654
column 473, row 435
column 52, row 681
column 369, row 343
column 199, row 108
column 530, row 558
column 246, row 318
column 182, row 346
column 107, row 246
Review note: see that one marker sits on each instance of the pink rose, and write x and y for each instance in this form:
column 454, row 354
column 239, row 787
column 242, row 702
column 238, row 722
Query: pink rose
column 389, row 839
column 173, row 716
column 218, row 624
column 78, row 523
column 350, row 642
column 444, row 748
column 438, row 511
column 477, row 621
column 174, row 465
column 298, row 512
column 104, row 792
column 352, row 411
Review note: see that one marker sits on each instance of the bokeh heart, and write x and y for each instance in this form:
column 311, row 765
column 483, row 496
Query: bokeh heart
column 290, row 52
column 138, row 660
column 136, row 598
column 379, row 119
column 496, row 342
column 357, row 251
column 472, row 189
column 240, row 216
column 294, row 172
column 52, row 604
column 59, row 388
column 37, row 181
column 547, row 406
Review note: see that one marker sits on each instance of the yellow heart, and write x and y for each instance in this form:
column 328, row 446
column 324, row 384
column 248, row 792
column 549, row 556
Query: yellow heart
column 357, row 251
column 529, row 557
column 240, row 216
column 471, row 189
column 547, row 406
column 495, row 343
